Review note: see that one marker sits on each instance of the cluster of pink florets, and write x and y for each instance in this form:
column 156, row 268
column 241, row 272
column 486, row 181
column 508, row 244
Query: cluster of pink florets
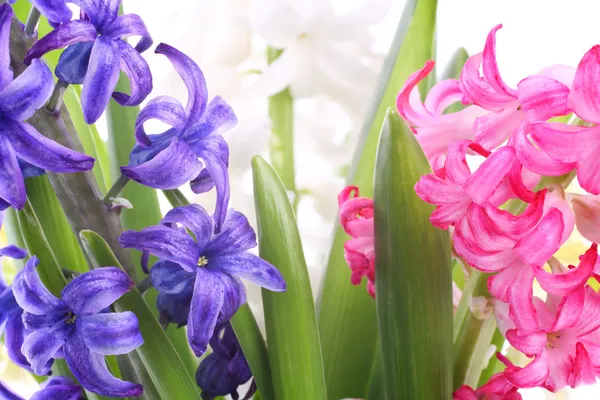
column 507, row 133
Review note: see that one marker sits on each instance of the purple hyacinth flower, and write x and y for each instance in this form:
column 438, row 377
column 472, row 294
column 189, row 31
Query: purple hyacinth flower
column 56, row 388
column 226, row 368
column 76, row 325
column 20, row 99
column 202, row 274
column 171, row 159
column 96, row 54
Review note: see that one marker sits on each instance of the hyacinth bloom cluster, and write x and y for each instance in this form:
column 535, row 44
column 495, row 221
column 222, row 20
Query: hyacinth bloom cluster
column 198, row 278
column 55, row 388
column 77, row 327
column 507, row 133
column 96, row 53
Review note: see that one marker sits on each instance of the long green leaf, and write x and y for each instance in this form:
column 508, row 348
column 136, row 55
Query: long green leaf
column 347, row 320
column 255, row 349
column 169, row 375
column 292, row 333
column 413, row 277
column 13, row 233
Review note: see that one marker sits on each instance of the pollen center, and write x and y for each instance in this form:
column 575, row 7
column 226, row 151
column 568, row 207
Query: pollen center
column 71, row 318
column 553, row 339
column 202, row 261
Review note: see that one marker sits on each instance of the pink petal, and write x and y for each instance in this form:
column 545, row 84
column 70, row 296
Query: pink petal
column 569, row 310
column 464, row 393
column 403, row 101
column 587, row 215
column 493, row 129
column 442, row 95
column 587, row 172
column 435, row 190
column 490, row 65
column 517, row 225
column 531, row 345
column 482, row 184
column 479, row 91
column 537, row 160
column 543, row 98
column 457, row 169
column 566, row 283
column 566, row 143
column 556, row 199
column 585, row 94
column 501, row 312
column 520, row 298
column 583, row 372
column 449, row 214
column 534, row 374
column 487, row 262
column 488, row 238
column 543, row 241
column 499, row 284
column 589, row 322
column 565, row 74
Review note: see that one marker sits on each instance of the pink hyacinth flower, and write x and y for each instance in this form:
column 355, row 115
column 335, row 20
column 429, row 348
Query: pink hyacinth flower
column 565, row 343
column 576, row 144
column 435, row 130
column 497, row 388
column 537, row 98
column 356, row 217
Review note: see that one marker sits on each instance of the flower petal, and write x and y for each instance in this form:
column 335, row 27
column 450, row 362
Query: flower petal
column 14, row 336
column 490, row 65
column 73, row 63
column 111, row 333
column 531, row 344
column 163, row 108
column 12, row 185
column 169, row 169
column 106, row 11
column 541, row 243
column 5, row 392
column 217, row 119
column 95, row 290
column 520, row 297
column 41, row 345
column 250, row 267
column 492, row 129
column 414, row 112
column 517, row 225
column 138, row 72
column 193, row 78
column 204, row 310
column 483, row 183
column 129, row 25
column 534, row 374
column 164, row 242
column 568, row 282
column 101, row 78
column 194, row 218
column 216, row 145
column 587, row 215
column 566, row 143
column 168, row 277
column 479, row 91
column 583, row 372
column 543, row 97
column 62, row 391
column 569, row 310
column 42, row 152
column 91, row 371
column 55, row 11
column 30, row 292
column 585, row 94
column 236, row 235
column 587, row 173
column 27, row 93
column 6, row 74
column 218, row 172
column 499, row 285
column 234, row 295
column 66, row 34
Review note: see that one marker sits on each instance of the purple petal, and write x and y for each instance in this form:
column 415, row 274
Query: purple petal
column 234, row 295
column 176, row 307
column 14, row 337
column 30, row 292
column 204, row 309
column 54, row 10
column 12, row 186
column 168, row 277
column 101, row 78
column 73, row 63
column 216, row 145
column 250, row 267
column 62, row 392
column 95, row 290
column 216, row 119
column 33, row 322
column 194, row 218
column 91, row 371
column 164, row 242
column 13, row 251
column 140, row 77
column 160, row 142
column 193, row 78
column 106, row 11
column 42, row 152
column 27, row 93
column 112, row 333
column 129, row 25
column 202, row 183
column 6, row 74
column 218, row 172
column 165, row 109
column 237, row 235
column 41, row 345
column 68, row 33
column 169, row 169
column 5, row 392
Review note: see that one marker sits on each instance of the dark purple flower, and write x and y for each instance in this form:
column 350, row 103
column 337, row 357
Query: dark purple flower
column 20, row 99
column 56, row 388
column 96, row 54
column 54, row 10
column 202, row 275
column 171, row 159
column 226, row 368
column 76, row 325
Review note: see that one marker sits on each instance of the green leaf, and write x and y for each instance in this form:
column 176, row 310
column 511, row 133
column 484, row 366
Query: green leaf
column 413, row 279
column 55, row 225
column 13, row 233
column 347, row 319
column 90, row 138
column 254, row 348
column 452, row 71
column 169, row 375
column 292, row 334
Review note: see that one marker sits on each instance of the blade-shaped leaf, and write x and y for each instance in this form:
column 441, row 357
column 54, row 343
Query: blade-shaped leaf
column 413, row 273
column 292, row 334
column 169, row 375
column 347, row 320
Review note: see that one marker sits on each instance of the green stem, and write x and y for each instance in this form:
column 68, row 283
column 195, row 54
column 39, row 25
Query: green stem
column 115, row 190
column 32, row 21
column 144, row 285
column 281, row 148
column 176, row 198
column 55, row 100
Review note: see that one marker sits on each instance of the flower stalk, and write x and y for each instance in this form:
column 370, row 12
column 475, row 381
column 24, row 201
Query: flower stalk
column 115, row 190
column 32, row 20
column 56, row 99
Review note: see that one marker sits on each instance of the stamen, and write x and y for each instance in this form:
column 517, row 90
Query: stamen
column 71, row 318
column 202, row 261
